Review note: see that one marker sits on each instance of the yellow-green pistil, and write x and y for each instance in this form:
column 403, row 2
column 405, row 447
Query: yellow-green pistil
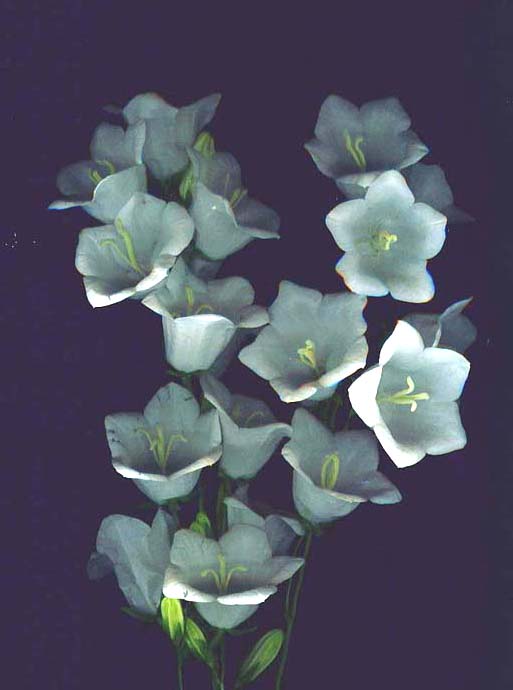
column 353, row 148
column 236, row 196
column 190, row 300
column 330, row 470
column 406, row 396
column 95, row 176
column 161, row 448
column 223, row 576
column 382, row 241
column 307, row 355
column 127, row 253
column 236, row 415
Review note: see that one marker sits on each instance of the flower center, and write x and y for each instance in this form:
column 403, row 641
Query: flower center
column 236, row 196
column 127, row 252
column 307, row 356
column 382, row 241
column 161, row 448
column 223, row 576
column 354, row 150
column 406, row 396
column 330, row 470
column 190, row 300
column 236, row 415
column 96, row 177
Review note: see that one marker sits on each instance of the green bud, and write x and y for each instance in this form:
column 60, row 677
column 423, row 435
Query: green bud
column 172, row 618
column 197, row 642
column 260, row 657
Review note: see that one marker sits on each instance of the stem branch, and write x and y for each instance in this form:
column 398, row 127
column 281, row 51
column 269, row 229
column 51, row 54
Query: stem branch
column 290, row 614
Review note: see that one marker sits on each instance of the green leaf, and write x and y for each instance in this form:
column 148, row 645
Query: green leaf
column 197, row 642
column 260, row 657
column 172, row 618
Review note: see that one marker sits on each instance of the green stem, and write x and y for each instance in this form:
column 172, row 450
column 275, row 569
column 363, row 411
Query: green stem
column 290, row 614
column 223, row 492
column 179, row 670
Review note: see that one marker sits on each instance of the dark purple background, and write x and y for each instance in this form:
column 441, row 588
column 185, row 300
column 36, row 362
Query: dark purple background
column 409, row 596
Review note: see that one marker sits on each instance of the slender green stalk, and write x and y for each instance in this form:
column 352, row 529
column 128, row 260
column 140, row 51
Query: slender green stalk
column 179, row 670
column 290, row 614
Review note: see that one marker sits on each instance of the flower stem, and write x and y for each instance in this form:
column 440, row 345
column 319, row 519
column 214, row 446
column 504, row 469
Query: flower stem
column 290, row 614
column 179, row 670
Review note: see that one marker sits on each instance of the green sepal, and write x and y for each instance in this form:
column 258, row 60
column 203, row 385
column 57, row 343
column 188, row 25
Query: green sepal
column 173, row 620
column 260, row 657
column 197, row 642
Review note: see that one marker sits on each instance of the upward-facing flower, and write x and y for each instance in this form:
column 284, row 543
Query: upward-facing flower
column 409, row 399
column 164, row 449
column 387, row 239
column 226, row 218
column 312, row 342
column 103, row 185
column 200, row 317
column 134, row 254
column 138, row 554
column 227, row 579
column 169, row 130
column 354, row 145
column 333, row 473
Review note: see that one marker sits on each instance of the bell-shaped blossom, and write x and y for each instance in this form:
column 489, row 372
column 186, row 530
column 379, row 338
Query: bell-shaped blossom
column 134, row 254
column 281, row 531
column 387, row 239
column 428, row 184
column 451, row 329
column 200, row 317
column 138, row 554
column 103, row 185
column 169, row 130
column 164, row 449
column 312, row 342
column 249, row 428
column 226, row 218
column 354, row 145
column 334, row 473
column 409, row 398
column 229, row 578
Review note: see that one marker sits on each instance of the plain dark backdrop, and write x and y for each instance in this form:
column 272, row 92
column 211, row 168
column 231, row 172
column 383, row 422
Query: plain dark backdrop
column 417, row 595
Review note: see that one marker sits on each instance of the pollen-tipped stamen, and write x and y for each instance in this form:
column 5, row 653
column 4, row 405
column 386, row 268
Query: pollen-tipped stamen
column 405, row 396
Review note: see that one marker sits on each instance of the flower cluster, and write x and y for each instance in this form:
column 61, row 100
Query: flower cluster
column 173, row 209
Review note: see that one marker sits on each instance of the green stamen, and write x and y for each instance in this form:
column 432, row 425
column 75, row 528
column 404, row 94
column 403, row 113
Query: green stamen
column 95, row 176
column 405, row 396
column 159, row 447
column 382, row 240
column 110, row 166
column 223, row 578
column 330, row 470
column 306, row 354
column 190, row 300
column 128, row 255
column 236, row 196
column 353, row 147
